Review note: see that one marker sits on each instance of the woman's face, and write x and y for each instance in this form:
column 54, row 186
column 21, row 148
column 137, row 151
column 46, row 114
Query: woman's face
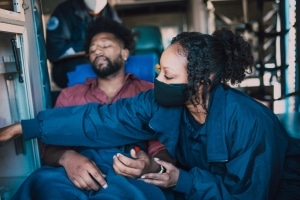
column 173, row 66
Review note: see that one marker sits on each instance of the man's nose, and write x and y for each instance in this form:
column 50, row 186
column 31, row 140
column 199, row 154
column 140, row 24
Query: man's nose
column 99, row 51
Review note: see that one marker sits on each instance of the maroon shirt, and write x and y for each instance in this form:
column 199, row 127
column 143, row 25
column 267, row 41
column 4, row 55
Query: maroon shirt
column 89, row 92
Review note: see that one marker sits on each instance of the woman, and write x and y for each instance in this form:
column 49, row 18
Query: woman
column 228, row 145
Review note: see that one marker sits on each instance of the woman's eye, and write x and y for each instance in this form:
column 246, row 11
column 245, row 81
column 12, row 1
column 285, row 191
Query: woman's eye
column 167, row 77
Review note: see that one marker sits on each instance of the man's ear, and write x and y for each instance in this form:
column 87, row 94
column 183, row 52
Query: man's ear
column 125, row 54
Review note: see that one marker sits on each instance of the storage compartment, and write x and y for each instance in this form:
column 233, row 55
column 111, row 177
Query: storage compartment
column 18, row 158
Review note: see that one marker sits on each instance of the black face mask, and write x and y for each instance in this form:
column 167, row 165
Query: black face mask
column 170, row 95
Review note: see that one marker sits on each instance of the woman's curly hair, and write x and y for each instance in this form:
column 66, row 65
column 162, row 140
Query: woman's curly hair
column 225, row 56
column 103, row 24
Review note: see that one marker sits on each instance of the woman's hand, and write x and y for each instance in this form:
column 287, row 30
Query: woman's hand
column 134, row 167
column 82, row 171
column 164, row 180
column 9, row 132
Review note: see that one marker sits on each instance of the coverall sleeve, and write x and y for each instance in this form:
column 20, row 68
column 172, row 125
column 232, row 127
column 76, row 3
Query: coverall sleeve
column 252, row 171
column 126, row 121
column 93, row 124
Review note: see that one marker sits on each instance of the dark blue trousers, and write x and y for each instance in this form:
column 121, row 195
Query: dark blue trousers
column 49, row 183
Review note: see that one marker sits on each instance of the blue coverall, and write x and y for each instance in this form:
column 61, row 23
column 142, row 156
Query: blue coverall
column 240, row 152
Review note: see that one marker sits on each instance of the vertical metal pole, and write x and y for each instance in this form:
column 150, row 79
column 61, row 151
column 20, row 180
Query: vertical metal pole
column 297, row 27
column 261, row 38
column 245, row 11
column 283, row 37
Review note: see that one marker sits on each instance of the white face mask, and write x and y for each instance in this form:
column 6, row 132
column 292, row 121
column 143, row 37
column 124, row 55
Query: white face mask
column 95, row 5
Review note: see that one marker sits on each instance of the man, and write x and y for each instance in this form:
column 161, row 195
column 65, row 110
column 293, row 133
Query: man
column 108, row 45
column 66, row 31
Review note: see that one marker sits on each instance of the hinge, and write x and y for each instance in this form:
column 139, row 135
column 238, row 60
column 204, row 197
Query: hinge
column 17, row 6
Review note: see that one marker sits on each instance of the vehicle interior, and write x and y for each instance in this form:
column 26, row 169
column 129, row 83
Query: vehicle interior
column 271, row 27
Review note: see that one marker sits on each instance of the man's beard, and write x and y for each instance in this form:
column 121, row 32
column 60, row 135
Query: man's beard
column 109, row 69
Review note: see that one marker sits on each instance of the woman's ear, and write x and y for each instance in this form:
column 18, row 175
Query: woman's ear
column 125, row 54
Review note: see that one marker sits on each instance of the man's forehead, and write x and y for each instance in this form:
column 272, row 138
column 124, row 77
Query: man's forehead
column 105, row 35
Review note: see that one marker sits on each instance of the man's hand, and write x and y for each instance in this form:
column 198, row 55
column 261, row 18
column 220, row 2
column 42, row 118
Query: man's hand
column 134, row 167
column 82, row 171
column 9, row 132
column 164, row 180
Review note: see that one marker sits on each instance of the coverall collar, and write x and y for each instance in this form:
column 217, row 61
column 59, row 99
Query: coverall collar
column 217, row 150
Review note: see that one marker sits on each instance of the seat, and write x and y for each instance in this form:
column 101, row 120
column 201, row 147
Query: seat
column 142, row 66
column 148, row 40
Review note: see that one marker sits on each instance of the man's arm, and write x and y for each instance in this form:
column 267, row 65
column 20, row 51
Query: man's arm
column 52, row 154
column 81, row 171
column 158, row 150
column 165, row 156
column 79, row 168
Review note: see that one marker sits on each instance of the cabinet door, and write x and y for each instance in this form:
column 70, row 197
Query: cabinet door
column 24, row 87
column 18, row 158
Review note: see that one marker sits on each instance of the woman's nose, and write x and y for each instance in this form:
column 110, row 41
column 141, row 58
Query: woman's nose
column 160, row 76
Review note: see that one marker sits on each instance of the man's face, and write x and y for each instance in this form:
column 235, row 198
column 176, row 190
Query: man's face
column 107, row 54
